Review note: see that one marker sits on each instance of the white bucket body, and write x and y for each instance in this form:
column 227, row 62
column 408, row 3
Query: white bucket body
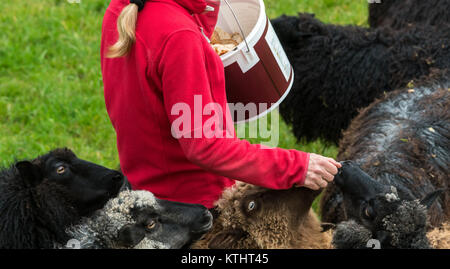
column 261, row 73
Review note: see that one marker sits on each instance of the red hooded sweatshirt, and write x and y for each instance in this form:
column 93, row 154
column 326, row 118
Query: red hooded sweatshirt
column 170, row 65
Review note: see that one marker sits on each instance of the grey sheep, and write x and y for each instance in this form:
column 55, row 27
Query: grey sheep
column 136, row 219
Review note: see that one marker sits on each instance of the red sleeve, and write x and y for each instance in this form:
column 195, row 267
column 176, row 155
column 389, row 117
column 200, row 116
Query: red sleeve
column 183, row 72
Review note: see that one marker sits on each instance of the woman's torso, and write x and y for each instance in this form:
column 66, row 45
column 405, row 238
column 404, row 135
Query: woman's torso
column 150, row 156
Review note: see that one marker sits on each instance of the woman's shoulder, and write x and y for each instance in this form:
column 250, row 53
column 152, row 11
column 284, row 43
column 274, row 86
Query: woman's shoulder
column 163, row 21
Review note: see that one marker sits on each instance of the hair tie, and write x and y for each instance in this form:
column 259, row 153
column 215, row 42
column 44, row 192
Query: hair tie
column 139, row 3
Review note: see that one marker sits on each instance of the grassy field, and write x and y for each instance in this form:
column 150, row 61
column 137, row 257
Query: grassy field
column 51, row 92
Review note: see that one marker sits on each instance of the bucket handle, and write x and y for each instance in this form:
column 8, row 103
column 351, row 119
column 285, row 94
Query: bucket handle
column 239, row 25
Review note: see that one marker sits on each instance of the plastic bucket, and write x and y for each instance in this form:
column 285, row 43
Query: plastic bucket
column 257, row 72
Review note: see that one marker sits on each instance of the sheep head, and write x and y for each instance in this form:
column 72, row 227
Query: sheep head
column 255, row 217
column 393, row 219
column 137, row 219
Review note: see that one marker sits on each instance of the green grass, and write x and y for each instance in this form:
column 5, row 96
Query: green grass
column 51, row 92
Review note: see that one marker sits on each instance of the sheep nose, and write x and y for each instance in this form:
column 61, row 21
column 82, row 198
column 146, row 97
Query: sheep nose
column 207, row 217
column 345, row 164
column 339, row 171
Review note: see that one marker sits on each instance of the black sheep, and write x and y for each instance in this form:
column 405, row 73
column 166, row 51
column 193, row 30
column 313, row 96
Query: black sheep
column 39, row 199
column 399, row 14
column 402, row 142
column 340, row 69
column 380, row 211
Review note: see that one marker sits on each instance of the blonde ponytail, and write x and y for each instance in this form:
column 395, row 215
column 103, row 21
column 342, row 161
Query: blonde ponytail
column 126, row 26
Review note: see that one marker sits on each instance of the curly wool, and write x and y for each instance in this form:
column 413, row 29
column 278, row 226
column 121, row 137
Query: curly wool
column 273, row 230
column 231, row 218
column 102, row 229
column 351, row 235
column 341, row 69
column 33, row 218
column 404, row 225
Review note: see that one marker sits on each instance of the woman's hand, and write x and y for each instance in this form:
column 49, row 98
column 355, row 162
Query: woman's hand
column 321, row 171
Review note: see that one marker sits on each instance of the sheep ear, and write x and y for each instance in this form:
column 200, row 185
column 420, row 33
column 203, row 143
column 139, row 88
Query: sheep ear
column 431, row 198
column 226, row 239
column 29, row 172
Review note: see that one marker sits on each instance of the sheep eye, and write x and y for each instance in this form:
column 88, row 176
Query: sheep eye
column 251, row 206
column 368, row 212
column 150, row 225
column 60, row 170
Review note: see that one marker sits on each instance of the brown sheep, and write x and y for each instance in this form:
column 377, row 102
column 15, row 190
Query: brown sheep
column 252, row 217
column 440, row 237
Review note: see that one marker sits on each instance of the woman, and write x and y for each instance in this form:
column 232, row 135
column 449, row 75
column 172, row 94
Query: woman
column 155, row 57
